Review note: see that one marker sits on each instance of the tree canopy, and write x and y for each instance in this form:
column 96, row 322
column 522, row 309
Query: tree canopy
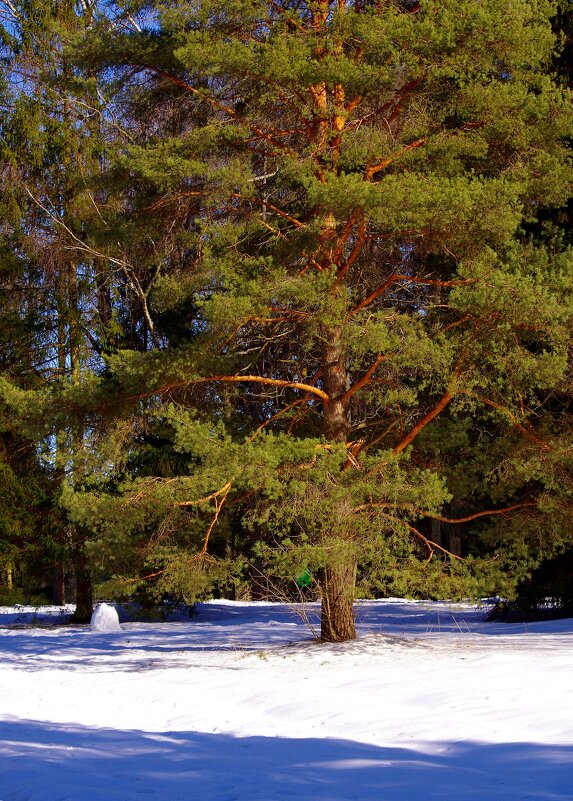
column 311, row 324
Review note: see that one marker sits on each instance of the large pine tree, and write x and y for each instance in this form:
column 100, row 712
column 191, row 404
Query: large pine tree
column 320, row 206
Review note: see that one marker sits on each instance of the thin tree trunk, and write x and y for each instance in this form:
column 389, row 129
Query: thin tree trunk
column 84, row 590
column 455, row 539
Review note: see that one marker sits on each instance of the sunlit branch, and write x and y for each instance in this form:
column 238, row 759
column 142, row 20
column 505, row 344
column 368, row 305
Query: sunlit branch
column 269, row 206
column 236, row 379
column 413, row 433
column 488, row 513
column 219, row 503
column 276, row 416
column 124, row 266
column 373, row 169
column 397, row 277
column 449, row 520
column 214, row 495
column 189, row 88
column 365, row 378
column 12, row 9
column 373, row 296
column 430, row 544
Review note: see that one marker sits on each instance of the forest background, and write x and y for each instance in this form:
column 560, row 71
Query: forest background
column 286, row 299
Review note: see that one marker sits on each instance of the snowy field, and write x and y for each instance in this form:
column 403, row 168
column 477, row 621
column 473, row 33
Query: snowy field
column 239, row 704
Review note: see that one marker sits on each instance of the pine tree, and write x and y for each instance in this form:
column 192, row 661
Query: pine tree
column 328, row 196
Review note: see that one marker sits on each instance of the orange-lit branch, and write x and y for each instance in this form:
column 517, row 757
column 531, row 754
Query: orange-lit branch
column 364, row 380
column 520, row 426
column 396, row 277
column 373, row 169
column 219, row 502
column 413, row 433
column 277, row 415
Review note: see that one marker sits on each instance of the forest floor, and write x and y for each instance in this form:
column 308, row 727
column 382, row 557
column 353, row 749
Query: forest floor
column 238, row 703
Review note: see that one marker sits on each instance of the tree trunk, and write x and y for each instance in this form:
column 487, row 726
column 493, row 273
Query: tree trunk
column 436, row 531
column 58, row 586
column 84, row 591
column 337, row 614
column 338, row 579
column 455, row 539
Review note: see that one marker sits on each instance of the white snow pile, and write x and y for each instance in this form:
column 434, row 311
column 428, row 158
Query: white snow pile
column 240, row 704
column 105, row 618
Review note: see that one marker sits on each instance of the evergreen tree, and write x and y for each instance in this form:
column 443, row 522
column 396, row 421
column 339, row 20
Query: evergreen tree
column 319, row 206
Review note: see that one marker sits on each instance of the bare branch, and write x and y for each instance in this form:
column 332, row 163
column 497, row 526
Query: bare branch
column 515, row 420
column 430, row 544
column 125, row 267
column 219, row 502
column 277, row 415
column 395, row 277
column 12, row 9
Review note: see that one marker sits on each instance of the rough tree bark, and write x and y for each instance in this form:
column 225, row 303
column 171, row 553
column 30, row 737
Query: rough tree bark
column 338, row 579
column 337, row 614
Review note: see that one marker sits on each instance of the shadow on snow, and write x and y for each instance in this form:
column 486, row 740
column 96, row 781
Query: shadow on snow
column 241, row 627
column 60, row 762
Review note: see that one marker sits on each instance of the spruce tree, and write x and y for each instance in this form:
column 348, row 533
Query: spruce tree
column 328, row 198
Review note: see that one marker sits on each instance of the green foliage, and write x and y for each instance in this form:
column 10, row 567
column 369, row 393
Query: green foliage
column 305, row 304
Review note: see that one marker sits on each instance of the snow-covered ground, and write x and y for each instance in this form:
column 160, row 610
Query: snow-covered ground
column 239, row 704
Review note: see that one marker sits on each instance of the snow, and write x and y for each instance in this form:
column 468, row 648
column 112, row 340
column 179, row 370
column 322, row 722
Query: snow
column 105, row 618
column 238, row 703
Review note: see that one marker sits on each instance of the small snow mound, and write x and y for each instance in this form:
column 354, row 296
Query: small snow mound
column 105, row 618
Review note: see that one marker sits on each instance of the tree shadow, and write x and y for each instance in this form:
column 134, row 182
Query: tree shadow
column 423, row 618
column 67, row 762
column 226, row 627
column 151, row 646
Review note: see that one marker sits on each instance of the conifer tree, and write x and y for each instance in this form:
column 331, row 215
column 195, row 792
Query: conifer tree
column 328, row 197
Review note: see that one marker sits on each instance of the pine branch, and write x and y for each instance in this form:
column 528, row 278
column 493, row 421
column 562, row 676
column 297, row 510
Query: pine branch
column 224, row 491
column 516, row 422
column 413, row 433
column 364, row 380
column 430, row 544
column 450, row 520
column 396, row 277
column 373, row 169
